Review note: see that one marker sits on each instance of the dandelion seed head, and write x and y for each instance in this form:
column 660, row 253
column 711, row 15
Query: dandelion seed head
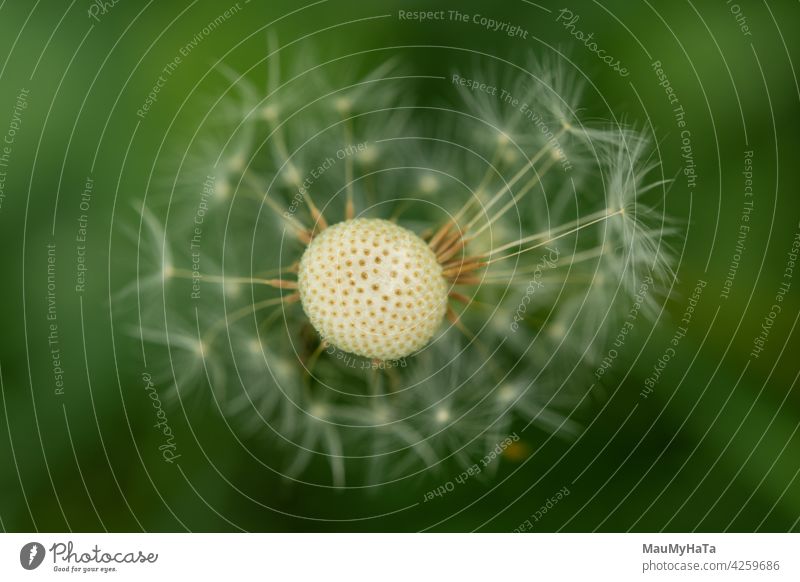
column 372, row 288
column 464, row 396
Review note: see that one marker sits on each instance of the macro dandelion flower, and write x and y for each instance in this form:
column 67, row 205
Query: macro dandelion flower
column 388, row 289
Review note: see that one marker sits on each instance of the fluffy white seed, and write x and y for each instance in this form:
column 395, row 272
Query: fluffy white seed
column 372, row 288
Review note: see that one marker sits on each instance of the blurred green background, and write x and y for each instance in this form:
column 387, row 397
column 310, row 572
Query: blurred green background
column 714, row 447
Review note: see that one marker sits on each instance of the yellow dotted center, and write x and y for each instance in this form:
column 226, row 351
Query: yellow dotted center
column 372, row 288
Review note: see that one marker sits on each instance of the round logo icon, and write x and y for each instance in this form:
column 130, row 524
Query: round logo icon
column 31, row 555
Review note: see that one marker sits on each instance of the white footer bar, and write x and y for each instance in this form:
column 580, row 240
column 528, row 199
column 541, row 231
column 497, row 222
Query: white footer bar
column 400, row 557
